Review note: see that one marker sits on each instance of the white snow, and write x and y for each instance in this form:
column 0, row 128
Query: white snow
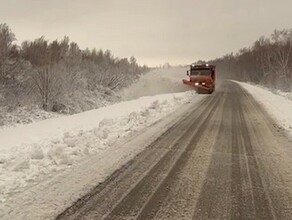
column 278, row 105
column 47, row 165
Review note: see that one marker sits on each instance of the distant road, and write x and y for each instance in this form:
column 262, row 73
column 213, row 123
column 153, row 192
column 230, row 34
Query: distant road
column 224, row 160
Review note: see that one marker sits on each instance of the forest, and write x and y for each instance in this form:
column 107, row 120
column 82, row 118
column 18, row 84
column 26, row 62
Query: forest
column 58, row 76
column 267, row 62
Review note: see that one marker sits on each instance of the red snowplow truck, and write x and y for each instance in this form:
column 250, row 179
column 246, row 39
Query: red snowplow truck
column 202, row 78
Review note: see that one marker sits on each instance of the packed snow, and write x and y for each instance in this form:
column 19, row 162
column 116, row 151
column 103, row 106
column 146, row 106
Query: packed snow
column 49, row 164
column 29, row 151
column 277, row 103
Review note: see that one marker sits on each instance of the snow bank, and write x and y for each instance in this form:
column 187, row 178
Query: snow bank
column 278, row 105
column 31, row 153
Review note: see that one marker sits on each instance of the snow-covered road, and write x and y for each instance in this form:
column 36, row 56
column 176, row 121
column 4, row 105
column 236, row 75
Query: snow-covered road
column 47, row 165
column 223, row 160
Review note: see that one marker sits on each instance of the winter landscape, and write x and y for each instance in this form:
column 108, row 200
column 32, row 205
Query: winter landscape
column 85, row 134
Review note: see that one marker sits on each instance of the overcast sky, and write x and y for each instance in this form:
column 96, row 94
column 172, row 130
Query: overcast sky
column 154, row 31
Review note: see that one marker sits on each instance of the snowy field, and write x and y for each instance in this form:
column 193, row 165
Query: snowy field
column 278, row 105
column 36, row 159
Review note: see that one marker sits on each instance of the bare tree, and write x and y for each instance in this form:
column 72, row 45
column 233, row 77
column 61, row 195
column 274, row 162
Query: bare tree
column 268, row 61
column 59, row 71
column 281, row 55
column 9, row 59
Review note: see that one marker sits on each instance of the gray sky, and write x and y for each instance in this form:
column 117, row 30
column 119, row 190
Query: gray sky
column 154, row 31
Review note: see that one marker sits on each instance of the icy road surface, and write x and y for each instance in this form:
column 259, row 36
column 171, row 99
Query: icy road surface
column 225, row 159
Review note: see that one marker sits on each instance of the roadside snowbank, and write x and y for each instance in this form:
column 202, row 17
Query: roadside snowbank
column 278, row 105
column 30, row 154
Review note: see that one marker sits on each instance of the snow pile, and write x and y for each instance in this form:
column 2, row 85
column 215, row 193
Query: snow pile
column 32, row 153
column 287, row 95
column 158, row 81
column 279, row 106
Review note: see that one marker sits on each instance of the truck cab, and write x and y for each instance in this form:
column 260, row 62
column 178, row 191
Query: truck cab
column 201, row 77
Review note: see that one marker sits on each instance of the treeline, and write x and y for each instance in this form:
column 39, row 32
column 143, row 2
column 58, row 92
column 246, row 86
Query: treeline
column 268, row 62
column 53, row 74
